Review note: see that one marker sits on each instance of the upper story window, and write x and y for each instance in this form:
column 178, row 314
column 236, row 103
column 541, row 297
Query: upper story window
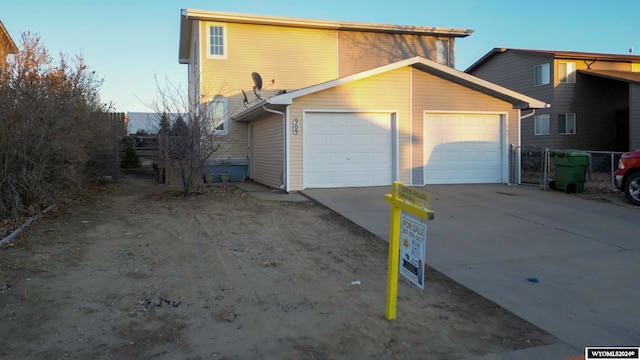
column 216, row 41
column 541, row 75
column 566, row 124
column 442, row 53
column 567, row 72
column 218, row 115
column 541, row 125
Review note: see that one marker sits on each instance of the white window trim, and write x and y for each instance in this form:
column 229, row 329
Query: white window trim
column 548, row 125
column 575, row 124
column 544, row 81
column 570, row 75
column 207, row 34
column 225, row 117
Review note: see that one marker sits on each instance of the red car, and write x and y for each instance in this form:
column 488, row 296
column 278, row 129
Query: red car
column 628, row 176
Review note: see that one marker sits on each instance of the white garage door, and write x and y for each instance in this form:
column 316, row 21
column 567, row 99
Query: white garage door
column 347, row 150
column 462, row 148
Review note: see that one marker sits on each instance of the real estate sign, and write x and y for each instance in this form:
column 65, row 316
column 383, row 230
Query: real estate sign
column 410, row 209
column 413, row 239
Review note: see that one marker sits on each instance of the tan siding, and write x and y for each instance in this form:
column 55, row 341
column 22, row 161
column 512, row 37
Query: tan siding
column 360, row 51
column 388, row 91
column 432, row 93
column 634, row 117
column 268, row 151
column 268, row 51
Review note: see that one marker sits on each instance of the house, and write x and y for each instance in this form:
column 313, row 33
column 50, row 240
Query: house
column 144, row 122
column 595, row 98
column 7, row 46
column 314, row 103
column 414, row 121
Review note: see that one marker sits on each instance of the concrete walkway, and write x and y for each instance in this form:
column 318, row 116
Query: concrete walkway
column 492, row 238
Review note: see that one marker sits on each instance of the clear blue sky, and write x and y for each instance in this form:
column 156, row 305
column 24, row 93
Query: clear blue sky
column 128, row 42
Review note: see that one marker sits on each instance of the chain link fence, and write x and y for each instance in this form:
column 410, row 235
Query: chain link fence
column 537, row 168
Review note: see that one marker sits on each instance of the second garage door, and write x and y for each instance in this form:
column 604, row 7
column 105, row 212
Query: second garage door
column 463, row 148
column 347, row 150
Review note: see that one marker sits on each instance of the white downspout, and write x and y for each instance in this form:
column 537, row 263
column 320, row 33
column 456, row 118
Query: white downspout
column 517, row 175
column 533, row 112
column 283, row 185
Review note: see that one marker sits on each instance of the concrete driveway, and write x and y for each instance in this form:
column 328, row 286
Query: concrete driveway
column 492, row 238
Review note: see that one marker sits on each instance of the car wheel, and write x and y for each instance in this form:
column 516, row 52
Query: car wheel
column 632, row 188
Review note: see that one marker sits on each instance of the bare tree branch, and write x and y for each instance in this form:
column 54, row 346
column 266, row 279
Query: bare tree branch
column 189, row 133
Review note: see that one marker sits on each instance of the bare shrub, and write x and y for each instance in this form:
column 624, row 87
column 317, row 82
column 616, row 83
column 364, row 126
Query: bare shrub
column 50, row 112
column 187, row 133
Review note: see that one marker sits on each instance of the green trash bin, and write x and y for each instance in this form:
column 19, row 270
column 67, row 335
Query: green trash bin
column 571, row 170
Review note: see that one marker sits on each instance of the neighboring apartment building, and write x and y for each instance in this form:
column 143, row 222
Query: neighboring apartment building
column 348, row 104
column 7, row 46
column 595, row 98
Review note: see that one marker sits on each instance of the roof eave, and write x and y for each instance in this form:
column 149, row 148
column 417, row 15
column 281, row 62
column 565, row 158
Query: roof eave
column 484, row 58
column 625, row 76
column 321, row 24
column 518, row 100
column 564, row 55
column 258, row 110
column 13, row 48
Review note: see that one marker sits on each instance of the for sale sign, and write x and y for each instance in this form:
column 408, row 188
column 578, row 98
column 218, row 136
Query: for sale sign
column 413, row 239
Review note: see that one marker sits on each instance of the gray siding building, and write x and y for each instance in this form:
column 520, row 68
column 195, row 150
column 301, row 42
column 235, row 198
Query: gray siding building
column 595, row 99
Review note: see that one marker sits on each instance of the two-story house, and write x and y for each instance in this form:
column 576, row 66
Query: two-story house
column 7, row 46
column 595, row 98
column 342, row 104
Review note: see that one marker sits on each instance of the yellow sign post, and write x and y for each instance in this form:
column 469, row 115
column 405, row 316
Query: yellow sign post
column 417, row 203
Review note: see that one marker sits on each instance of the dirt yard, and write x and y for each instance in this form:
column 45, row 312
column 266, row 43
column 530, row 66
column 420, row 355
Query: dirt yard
column 136, row 272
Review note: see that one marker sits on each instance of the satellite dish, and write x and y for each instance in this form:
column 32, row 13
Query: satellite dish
column 257, row 80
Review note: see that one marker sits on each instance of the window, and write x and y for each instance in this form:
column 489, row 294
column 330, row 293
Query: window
column 216, row 41
column 218, row 115
column 567, row 72
column 441, row 52
column 566, row 124
column 541, row 75
column 541, row 124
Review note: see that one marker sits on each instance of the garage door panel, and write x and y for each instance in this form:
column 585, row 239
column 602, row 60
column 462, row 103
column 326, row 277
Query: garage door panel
column 359, row 139
column 360, row 158
column 462, row 148
column 337, row 177
column 379, row 140
column 335, row 157
column 316, row 139
column 357, row 153
column 338, row 139
column 314, row 161
column 359, row 176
